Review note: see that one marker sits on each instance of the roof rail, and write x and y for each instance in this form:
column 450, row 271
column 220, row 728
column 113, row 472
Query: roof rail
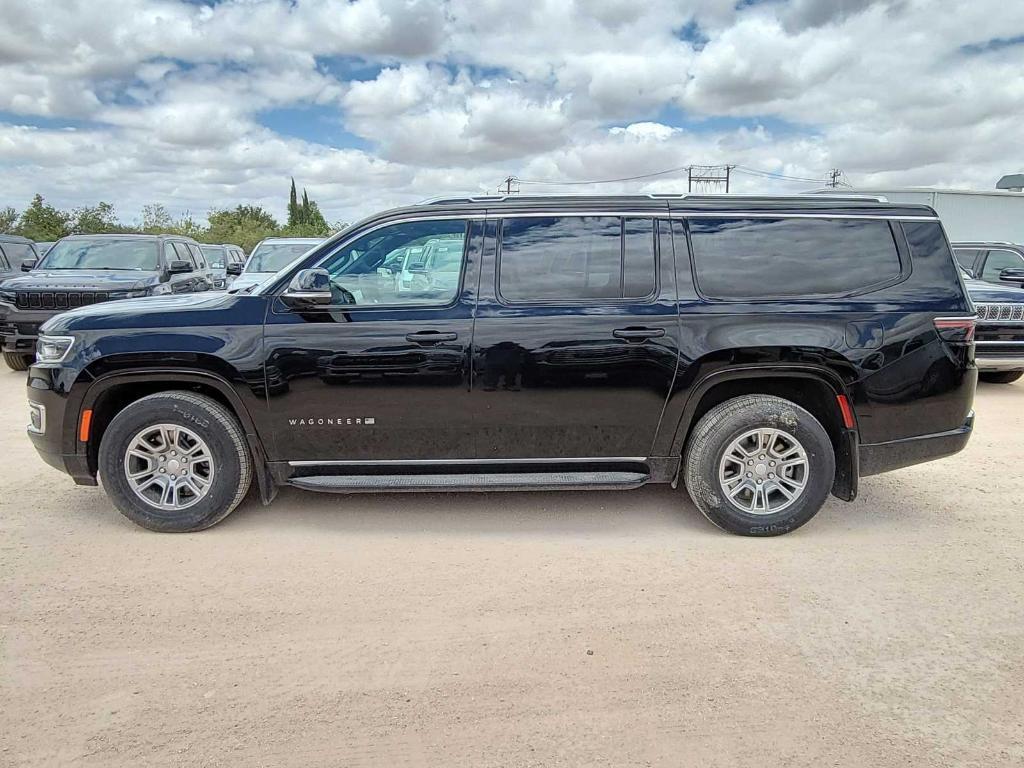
column 446, row 199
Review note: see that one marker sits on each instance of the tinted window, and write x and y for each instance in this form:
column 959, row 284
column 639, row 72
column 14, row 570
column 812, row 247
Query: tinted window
column 965, row 258
column 270, row 257
column 197, row 255
column 774, row 258
column 102, row 253
column 412, row 263
column 576, row 258
column 999, row 260
column 214, row 254
column 184, row 254
column 18, row 252
column 4, row 264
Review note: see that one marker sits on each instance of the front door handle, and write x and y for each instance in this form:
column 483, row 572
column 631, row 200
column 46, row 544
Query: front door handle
column 430, row 337
column 638, row 334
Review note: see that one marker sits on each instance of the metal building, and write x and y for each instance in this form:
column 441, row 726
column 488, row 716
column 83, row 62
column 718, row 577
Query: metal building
column 967, row 214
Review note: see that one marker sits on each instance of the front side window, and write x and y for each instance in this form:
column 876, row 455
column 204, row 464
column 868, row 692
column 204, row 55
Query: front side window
column 4, row 263
column 998, row 260
column 183, row 254
column 197, row 255
column 413, row 263
column 757, row 258
column 103, row 253
column 18, row 252
column 272, row 257
column 576, row 258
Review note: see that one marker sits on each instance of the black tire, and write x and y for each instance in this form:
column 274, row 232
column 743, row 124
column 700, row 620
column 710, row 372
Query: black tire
column 729, row 421
column 16, row 361
column 1000, row 377
column 203, row 416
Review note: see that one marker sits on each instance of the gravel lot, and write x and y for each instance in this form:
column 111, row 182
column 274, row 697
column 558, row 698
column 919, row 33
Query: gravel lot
column 532, row 629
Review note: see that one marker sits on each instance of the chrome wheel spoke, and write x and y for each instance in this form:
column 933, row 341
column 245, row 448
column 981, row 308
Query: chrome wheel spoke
column 169, row 466
column 764, row 470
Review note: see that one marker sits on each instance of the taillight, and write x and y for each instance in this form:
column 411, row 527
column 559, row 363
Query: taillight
column 956, row 329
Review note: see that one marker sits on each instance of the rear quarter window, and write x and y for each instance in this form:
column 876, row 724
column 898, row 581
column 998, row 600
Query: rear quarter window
column 761, row 258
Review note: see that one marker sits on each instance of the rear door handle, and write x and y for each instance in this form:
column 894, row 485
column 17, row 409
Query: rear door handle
column 430, row 337
column 638, row 334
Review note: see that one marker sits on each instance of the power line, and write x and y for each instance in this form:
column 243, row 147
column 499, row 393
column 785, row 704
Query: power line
column 606, row 181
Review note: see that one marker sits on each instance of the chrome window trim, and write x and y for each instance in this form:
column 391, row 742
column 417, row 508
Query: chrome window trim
column 463, row 462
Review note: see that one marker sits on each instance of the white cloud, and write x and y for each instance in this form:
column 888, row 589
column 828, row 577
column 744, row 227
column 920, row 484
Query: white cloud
column 135, row 101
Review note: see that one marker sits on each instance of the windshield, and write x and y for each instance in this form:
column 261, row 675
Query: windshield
column 270, row 257
column 103, row 253
column 214, row 254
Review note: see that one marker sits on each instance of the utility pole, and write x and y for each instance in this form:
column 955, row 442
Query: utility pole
column 509, row 181
column 834, row 175
column 708, row 178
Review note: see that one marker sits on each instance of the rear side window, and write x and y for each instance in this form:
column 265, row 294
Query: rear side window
column 779, row 258
column 574, row 258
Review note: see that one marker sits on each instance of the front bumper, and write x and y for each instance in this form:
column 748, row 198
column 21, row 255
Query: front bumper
column 19, row 328
column 876, row 458
column 54, row 436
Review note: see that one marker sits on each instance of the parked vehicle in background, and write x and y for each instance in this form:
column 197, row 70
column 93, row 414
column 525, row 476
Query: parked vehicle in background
column 88, row 269
column 766, row 351
column 42, row 248
column 226, row 262
column 1000, row 332
column 999, row 263
column 13, row 251
column 271, row 255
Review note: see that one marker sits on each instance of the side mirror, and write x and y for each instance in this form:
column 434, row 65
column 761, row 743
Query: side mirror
column 179, row 267
column 234, row 268
column 1013, row 275
column 28, row 264
column 309, row 287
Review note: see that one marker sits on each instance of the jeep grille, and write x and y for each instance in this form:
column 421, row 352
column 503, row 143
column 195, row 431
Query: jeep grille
column 59, row 299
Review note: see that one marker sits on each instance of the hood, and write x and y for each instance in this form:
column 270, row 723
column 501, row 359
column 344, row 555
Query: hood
column 211, row 308
column 987, row 293
column 82, row 279
column 247, row 279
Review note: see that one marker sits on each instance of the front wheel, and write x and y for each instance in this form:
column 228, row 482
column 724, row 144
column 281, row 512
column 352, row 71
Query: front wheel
column 16, row 361
column 175, row 462
column 758, row 465
column 1000, row 377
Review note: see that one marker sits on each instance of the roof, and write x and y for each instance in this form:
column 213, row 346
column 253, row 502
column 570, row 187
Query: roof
column 127, row 236
column 883, row 191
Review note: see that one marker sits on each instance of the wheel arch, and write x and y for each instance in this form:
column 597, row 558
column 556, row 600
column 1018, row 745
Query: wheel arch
column 815, row 388
column 111, row 391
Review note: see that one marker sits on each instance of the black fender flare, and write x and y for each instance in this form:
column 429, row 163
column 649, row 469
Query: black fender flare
column 847, row 455
column 107, row 381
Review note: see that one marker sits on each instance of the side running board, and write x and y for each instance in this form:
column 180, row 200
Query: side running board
column 488, row 481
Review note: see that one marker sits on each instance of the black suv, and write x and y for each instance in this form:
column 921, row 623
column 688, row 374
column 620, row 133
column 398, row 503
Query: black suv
column 999, row 263
column 86, row 269
column 764, row 351
column 13, row 251
column 1000, row 332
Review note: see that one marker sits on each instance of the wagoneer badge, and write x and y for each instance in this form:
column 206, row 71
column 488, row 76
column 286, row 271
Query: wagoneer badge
column 366, row 421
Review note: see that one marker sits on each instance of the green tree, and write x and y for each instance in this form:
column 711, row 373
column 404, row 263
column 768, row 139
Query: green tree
column 42, row 222
column 8, row 220
column 244, row 225
column 96, row 220
column 156, row 219
column 293, row 207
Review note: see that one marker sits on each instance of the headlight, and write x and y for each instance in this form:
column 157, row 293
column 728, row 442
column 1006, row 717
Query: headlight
column 160, row 290
column 53, row 349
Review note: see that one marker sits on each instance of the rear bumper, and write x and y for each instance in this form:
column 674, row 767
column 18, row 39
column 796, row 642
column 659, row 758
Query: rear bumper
column 876, row 458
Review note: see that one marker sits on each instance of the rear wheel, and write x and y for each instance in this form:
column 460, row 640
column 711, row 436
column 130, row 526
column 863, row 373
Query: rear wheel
column 175, row 461
column 758, row 465
column 16, row 361
column 1000, row 377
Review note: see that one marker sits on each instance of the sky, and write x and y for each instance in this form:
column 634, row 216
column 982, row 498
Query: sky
column 376, row 103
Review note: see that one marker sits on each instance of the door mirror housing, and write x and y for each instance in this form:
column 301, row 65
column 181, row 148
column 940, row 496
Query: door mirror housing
column 234, row 268
column 1013, row 275
column 28, row 264
column 178, row 267
column 309, row 287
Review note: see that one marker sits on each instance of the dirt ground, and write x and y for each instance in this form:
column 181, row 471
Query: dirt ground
column 532, row 629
